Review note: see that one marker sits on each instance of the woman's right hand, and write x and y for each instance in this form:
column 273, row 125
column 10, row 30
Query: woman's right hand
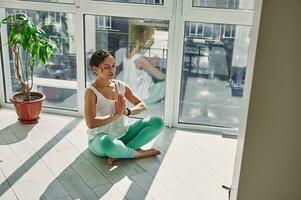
column 119, row 104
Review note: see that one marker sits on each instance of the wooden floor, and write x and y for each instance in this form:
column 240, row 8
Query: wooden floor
column 50, row 160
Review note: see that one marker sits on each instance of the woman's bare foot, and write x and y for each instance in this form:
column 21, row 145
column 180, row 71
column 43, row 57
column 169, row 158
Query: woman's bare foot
column 147, row 153
column 111, row 160
column 140, row 154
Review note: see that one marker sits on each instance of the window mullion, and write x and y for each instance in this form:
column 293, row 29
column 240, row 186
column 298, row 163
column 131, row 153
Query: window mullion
column 80, row 59
column 174, row 65
column 5, row 56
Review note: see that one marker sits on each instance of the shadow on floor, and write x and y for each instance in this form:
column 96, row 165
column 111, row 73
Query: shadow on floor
column 20, row 130
column 89, row 177
column 18, row 136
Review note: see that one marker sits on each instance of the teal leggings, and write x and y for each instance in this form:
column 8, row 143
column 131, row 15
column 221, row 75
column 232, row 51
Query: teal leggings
column 139, row 134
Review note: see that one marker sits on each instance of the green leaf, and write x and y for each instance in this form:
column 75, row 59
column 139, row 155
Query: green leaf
column 49, row 51
column 34, row 52
column 17, row 38
column 42, row 32
column 42, row 55
column 33, row 30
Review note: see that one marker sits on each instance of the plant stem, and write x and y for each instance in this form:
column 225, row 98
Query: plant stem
column 31, row 74
column 27, row 93
column 18, row 70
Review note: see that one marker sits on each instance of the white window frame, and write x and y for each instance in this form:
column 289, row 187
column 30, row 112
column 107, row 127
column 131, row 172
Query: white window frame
column 196, row 29
column 51, row 19
column 232, row 31
column 102, row 22
column 196, row 32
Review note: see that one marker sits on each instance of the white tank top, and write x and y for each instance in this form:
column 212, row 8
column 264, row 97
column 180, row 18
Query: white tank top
column 138, row 79
column 105, row 106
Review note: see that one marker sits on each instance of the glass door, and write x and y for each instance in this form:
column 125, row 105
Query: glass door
column 139, row 35
column 216, row 37
column 140, row 46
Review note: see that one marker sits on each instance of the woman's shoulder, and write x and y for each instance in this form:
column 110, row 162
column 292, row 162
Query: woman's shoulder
column 92, row 90
column 90, row 95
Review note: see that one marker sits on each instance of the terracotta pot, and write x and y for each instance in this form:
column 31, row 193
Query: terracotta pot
column 28, row 111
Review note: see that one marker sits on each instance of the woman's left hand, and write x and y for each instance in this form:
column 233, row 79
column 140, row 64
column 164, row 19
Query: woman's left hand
column 120, row 104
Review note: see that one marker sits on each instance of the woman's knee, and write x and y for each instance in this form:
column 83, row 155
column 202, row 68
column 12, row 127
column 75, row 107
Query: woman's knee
column 98, row 145
column 157, row 122
column 106, row 144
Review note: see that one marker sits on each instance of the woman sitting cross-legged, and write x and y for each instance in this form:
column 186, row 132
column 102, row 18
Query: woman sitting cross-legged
column 106, row 115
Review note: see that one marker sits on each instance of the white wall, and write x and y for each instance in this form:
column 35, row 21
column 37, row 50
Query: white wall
column 271, row 164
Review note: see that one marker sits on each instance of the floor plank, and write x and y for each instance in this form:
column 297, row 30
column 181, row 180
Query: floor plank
column 108, row 192
column 5, row 189
column 88, row 172
column 75, row 185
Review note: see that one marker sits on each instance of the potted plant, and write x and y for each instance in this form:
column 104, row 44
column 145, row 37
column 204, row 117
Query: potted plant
column 29, row 44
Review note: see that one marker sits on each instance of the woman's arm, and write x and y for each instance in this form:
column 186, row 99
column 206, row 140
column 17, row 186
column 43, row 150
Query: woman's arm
column 139, row 105
column 90, row 111
column 145, row 64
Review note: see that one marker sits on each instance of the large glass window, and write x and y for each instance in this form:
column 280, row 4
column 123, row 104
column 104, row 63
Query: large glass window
column 142, row 41
column 228, row 4
column 57, row 78
column 213, row 74
column 154, row 2
column 213, row 65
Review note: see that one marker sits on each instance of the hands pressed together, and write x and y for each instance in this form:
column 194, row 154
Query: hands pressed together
column 120, row 108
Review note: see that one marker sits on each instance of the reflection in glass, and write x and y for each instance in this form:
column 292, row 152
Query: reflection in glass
column 61, row 67
column 227, row 4
column 153, row 2
column 214, row 67
column 140, row 47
